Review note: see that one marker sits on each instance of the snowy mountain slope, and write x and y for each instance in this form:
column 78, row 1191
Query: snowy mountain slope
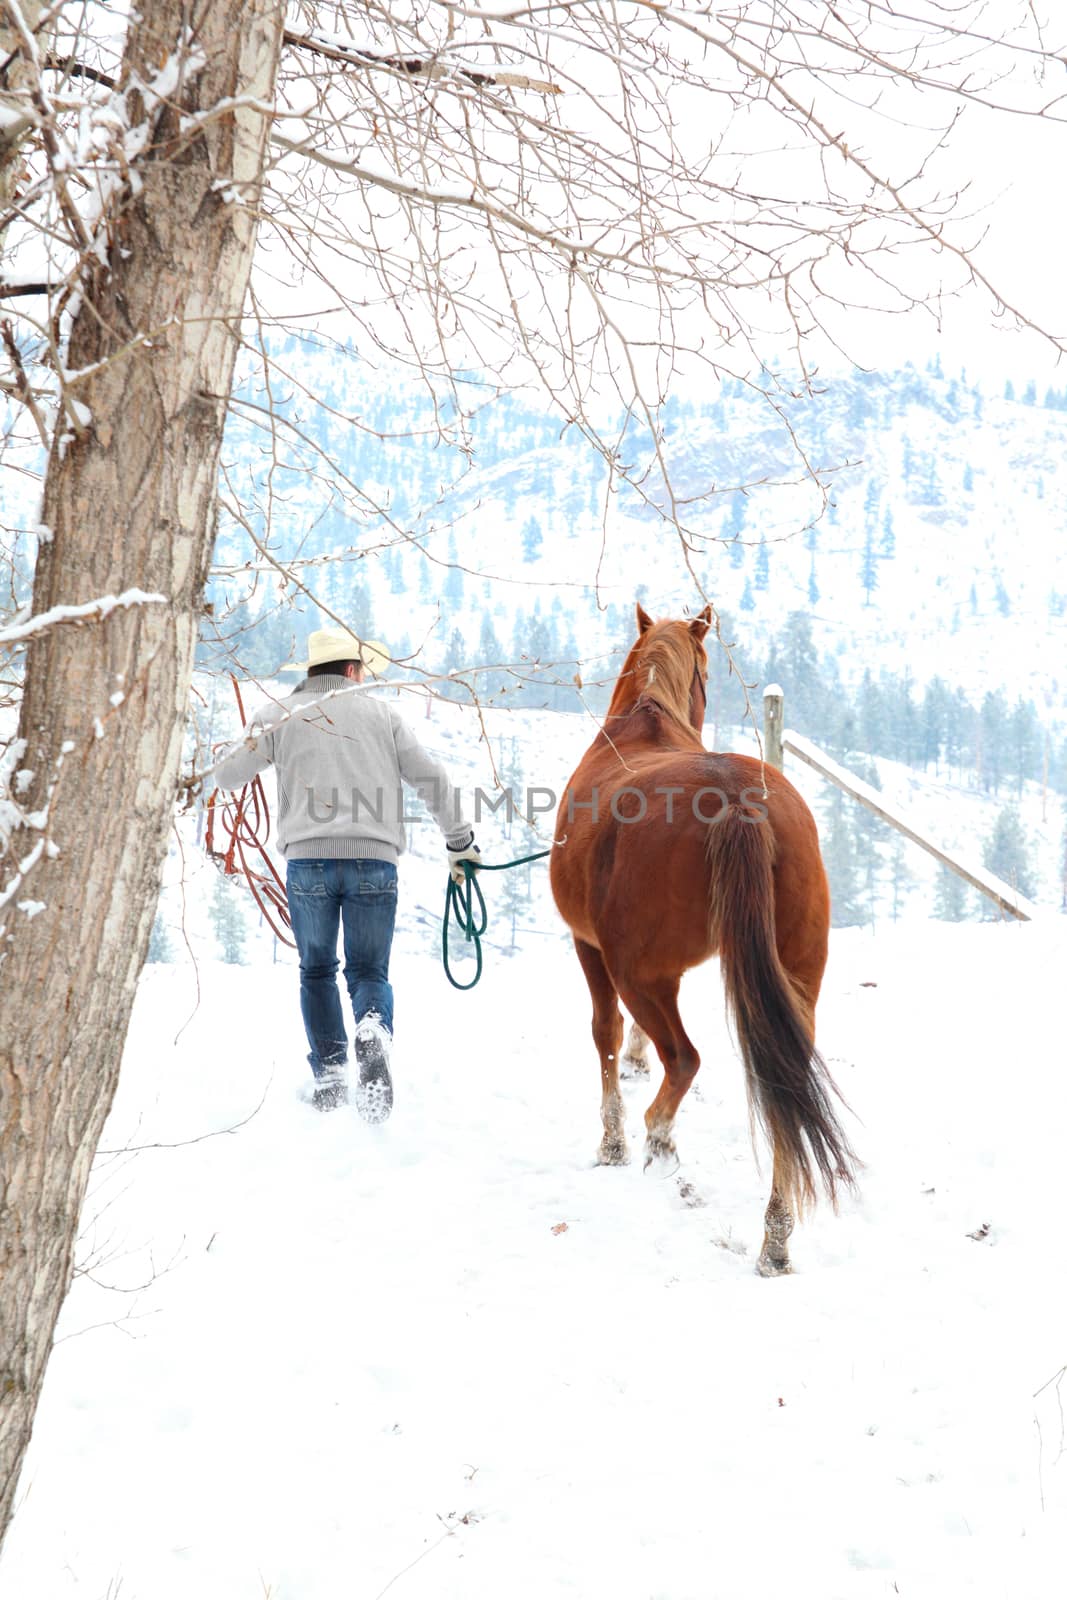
column 941, row 551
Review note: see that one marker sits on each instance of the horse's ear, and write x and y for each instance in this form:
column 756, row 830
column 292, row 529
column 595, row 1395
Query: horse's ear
column 700, row 625
column 644, row 621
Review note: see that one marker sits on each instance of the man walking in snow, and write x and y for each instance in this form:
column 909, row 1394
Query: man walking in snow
column 341, row 756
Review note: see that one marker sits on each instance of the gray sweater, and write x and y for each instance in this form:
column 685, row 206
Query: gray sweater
column 341, row 757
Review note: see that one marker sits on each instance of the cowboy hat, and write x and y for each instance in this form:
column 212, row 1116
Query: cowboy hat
column 337, row 644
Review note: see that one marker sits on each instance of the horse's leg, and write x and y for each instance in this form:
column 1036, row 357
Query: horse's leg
column 655, row 1010
column 777, row 1226
column 607, row 1036
column 635, row 1053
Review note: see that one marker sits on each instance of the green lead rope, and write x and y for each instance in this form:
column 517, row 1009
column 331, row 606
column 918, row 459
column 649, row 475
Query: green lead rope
column 460, row 900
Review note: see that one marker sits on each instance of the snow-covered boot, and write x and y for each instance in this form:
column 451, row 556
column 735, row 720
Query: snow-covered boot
column 374, row 1095
column 331, row 1090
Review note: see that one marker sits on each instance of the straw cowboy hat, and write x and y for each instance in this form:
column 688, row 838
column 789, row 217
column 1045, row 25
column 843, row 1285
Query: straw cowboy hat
column 337, row 644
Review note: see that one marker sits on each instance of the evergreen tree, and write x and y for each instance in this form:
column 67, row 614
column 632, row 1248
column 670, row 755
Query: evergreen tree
column 934, row 720
column 748, row 602
column 869, row 570
column 932, row 493
column 426, row 577
column 399, row 648
column 950, row 896
column 531, row 539
column 452, row 590
column 490, row 653
column 1008, row 852
column 1025, row 742
column 961, row 732
column 1009, row 390
column 870, row 505
column 889, row 538
column 899, row 877
column 763, row 567
column 456, row 658
column 735, row 527
column 839, row 858
column 159, row 942
column 968, row 479
column 738, row 514
column 395, row 574
column 227, row 917
column 813, row 587
column 906, row 722
column 873, row 716
column 993, row 735
column 871, row 836
column 353, row 602
column 513, row 777
column 536, row 649
column 511, row 898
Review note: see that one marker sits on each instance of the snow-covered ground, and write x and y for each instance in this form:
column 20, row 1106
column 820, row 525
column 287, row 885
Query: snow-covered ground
column 450, row 1359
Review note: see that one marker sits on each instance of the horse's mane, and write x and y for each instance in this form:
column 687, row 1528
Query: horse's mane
column 661, row 667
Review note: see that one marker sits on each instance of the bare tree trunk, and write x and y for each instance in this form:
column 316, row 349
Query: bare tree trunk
column 130, row 501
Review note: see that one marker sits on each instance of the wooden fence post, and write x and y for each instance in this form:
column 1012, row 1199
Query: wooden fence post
column 773, row 700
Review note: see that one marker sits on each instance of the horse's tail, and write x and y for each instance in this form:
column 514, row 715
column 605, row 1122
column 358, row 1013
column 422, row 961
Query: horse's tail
column 789, row 1086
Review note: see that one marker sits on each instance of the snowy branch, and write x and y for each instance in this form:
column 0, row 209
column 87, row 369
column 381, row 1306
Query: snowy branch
column 430, row 70
column 91, row 611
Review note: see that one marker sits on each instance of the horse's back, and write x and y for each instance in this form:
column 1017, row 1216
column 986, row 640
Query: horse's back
column 631, row 859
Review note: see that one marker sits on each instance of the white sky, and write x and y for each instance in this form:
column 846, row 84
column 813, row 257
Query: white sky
column 1015, row 166
column 1008, row 165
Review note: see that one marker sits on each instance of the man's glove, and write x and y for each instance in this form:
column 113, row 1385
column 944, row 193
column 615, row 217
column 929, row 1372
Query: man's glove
column 458, row 853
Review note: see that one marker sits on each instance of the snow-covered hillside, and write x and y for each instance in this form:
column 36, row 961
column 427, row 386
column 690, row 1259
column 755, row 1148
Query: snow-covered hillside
column 940, row 552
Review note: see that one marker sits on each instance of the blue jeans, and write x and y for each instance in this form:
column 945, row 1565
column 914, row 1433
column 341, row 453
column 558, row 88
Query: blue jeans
column 360, row 897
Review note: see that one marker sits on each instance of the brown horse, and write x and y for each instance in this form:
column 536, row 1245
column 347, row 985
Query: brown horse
column 666, row 855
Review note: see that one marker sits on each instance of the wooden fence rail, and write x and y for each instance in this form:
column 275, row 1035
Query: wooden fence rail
column 777, row 742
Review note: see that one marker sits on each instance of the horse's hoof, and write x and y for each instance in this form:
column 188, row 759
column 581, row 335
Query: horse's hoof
column 661, row 1159
column 773, row 1266
column 613, row 1153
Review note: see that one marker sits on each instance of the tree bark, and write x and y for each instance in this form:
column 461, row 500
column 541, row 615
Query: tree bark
column 130, row 498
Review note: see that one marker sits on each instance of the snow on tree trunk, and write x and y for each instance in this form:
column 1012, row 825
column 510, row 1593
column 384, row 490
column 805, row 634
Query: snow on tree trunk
column 16, row 118
column 130, row 498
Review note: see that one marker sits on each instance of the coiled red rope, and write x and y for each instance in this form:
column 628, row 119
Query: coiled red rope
column 246, row 824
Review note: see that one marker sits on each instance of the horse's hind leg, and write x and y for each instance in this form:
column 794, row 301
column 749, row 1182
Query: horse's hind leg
column 777, row 1226
column 655, row 1010
column 635, row 1053
column 607, row 1036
